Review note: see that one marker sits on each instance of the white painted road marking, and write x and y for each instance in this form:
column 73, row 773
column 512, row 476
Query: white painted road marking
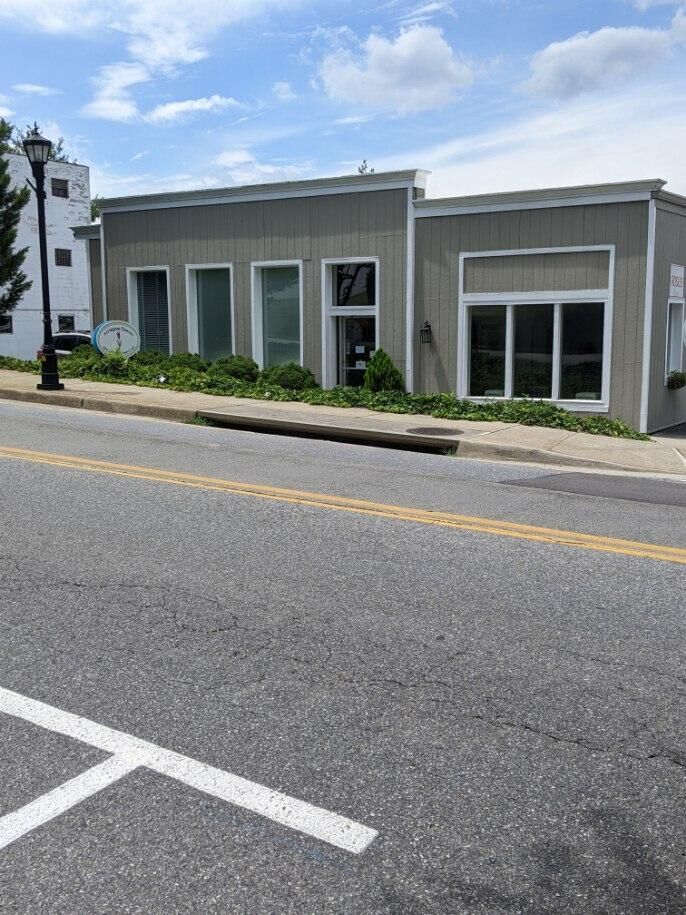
column 45, row 808
column 280, row 808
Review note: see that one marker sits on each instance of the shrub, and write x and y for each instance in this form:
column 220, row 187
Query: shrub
column 291, row 376
column 113, row 365
column 241, row 367
column 188, row 361
column 382, row 375
column 676, row 380
column 149, row 357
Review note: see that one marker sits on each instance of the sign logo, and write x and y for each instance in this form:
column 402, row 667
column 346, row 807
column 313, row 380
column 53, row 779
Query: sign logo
column 677, row 287
column 116, row 337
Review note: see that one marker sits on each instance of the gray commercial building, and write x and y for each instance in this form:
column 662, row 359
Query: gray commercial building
column 574, row 295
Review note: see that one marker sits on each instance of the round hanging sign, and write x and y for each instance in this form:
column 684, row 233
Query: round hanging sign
column 116, row 337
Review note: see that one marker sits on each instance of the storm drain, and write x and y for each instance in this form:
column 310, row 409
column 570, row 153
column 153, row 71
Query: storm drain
column 432, row 430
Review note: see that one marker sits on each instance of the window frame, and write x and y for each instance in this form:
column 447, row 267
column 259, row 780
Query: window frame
column 132, row 297
column 69, row 251
column 256, row 305
column 557, row 299
column 193, row 331
column 678, row 303
column 65, row 181
column 72, row 329
column 10, row 324
column 331, row 312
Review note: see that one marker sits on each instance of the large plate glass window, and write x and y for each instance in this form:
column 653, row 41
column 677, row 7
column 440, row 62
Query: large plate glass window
column 533, row 351
column 352, row 315
column 581, row 368
column 487, row 356
column 153, row 310
column 213, row 296
column 547, row 350
column 280, row 315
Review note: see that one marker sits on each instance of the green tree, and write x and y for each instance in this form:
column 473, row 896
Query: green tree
column 13, row 281
column 95, row 207
column 12, row 139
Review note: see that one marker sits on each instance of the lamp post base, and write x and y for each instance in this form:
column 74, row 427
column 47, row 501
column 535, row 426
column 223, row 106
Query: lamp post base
column 50, row 386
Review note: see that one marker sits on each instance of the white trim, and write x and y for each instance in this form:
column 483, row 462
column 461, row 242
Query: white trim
column 409, row 295
column 103, row 270
column 87, row 243
column 256, row 196
column 256, row 268
column 192, row 303
column 330, row 313
column 426, row 212
column 648, row 317
column 556, row 298
column 132, row 295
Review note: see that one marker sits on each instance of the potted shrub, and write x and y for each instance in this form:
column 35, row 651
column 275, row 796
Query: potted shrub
column 676, row 380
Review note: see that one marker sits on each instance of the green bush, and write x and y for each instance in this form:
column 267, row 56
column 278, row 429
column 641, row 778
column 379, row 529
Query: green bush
column 188, row 361
column 382, row 375
column 114, row 368
column 149, row 357
column 112, row 365
column 291, row 376
column 235, row 367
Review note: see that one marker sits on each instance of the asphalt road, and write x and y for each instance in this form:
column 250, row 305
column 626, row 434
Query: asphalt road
column 505, row 715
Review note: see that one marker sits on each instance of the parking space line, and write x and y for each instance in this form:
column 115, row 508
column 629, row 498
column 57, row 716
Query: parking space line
column 19, row 822
column 273, row 805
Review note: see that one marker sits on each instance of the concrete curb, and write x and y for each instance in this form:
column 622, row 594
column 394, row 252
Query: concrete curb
column 465, row 447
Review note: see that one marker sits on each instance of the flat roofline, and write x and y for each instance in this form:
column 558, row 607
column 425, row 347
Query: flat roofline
column 537, row 198
column 50, row 161
column 90, row 231
column 285, row 189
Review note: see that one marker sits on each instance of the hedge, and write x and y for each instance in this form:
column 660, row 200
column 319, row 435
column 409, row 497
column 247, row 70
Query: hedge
column 177, row 373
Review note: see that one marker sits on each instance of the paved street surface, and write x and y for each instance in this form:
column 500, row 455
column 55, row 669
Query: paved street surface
column 221, row 702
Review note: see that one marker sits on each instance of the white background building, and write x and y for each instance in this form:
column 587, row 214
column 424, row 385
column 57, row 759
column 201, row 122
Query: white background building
column 67, row 203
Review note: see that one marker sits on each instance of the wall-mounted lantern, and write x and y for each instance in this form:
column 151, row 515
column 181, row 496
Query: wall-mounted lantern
column 426, row 334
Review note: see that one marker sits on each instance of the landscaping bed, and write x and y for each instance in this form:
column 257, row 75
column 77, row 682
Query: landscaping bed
column 238, row 376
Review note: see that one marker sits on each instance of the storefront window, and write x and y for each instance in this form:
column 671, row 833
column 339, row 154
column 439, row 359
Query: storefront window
column 675, row 337
column 533, row 356
column 281, row 315
column 487, row 357
column 581, row 356
column 213, row 291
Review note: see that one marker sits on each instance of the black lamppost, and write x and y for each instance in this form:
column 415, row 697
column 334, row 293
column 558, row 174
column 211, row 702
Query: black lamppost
column 37, row 148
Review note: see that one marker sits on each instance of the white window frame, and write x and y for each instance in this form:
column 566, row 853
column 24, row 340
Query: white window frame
column 555, row 298
column 132, row 293
column 331, row 313
column 193, row 333
column 256, row 268
column 679, row 303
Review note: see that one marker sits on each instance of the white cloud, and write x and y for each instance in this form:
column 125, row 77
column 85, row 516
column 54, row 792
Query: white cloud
column 643, row 5
column 34, row 89
column 591, row 61
column 5, row 112
column 173, row 111
column 415, row 72
column 244, row 168
column 112, row 100
column 284, row 92
column 623, row 137
column 427, row 11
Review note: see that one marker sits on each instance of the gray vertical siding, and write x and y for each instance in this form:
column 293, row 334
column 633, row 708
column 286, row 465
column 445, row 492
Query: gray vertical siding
column 440, row 239
column 366, row 224
column 665, row 407
column 97, row 313
column 537, row 272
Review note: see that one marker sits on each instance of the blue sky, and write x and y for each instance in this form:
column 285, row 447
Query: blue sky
column 488, row 94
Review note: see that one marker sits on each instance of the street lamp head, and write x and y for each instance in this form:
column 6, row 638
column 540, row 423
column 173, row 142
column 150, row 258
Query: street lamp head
column 36, row 147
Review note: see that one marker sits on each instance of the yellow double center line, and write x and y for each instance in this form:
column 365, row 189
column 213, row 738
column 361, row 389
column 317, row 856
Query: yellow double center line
column 360, row 506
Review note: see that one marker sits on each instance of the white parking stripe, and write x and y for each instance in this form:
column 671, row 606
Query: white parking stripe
column 45, row 808
column 288, row 811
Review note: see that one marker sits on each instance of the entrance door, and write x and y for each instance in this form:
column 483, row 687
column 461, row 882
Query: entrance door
column 153, row 310
column 356, row 343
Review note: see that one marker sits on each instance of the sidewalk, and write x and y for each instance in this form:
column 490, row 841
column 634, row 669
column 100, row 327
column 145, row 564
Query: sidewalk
column 482, row 440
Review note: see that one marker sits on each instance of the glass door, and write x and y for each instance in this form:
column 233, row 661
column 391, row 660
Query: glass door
column 356, row 343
